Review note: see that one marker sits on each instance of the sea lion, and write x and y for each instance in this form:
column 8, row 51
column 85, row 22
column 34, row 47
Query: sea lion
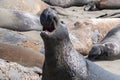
column 24, row 56
column 108, row 48
column 102, row 4
column 62, row 61
column 86, row 32
column 68, row 3
column 31, row 6
column 19, row 20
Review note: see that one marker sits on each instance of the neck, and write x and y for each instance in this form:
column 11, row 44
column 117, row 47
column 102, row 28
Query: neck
column 62, row 58
column 55, row 50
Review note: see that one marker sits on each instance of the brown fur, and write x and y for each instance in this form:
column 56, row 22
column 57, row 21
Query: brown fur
column 102, row 4
column 32, row 6
column 68, row 3
column 110, row 4
column 21, row 55
column 19, row 20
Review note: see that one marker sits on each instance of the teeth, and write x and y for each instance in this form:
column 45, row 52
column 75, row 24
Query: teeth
column 46, row 32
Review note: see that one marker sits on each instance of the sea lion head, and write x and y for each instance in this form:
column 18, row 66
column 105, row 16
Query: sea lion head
column 96, row 52
column 106, row 51
column 48, row 18
column 53, row 28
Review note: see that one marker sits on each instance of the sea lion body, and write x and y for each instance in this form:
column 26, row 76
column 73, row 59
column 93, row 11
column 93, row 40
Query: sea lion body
column 68, row 3
column 24, row 56
column 109, row 47
column 19, row 20
column 62, row 61
column 109, row 4
column 103, row 4
column 31, row 6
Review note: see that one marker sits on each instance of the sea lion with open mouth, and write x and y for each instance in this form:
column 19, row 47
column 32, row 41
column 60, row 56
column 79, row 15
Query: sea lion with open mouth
column 62, row 61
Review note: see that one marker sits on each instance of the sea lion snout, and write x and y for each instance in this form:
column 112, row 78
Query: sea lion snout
column 112, row 48
column 97, row 52
column 103, row 51
column 48, row 18
column 94, row 53
column 52, row 25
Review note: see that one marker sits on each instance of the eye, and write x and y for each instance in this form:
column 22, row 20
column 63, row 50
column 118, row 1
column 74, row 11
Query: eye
column 62, row 22
column 55, row 19
column 109, row 46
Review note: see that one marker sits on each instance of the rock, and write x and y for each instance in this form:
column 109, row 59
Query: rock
column 14, row 71
column 32, row 6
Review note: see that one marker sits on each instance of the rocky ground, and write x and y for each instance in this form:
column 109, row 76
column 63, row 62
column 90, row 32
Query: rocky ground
column 80, row 24
column 14, row 71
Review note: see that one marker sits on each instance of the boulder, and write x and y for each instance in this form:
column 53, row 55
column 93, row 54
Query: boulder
column 14, row 71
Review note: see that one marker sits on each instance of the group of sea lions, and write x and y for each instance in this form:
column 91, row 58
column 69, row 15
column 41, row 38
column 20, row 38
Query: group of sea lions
column 20, row 15
column 90, row 4
column 62, row 61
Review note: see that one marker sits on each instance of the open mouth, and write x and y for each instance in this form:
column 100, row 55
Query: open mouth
column 49, row 28
column 49, row 20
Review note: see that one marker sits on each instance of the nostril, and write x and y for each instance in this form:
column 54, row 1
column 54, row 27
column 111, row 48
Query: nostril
column 53, row 8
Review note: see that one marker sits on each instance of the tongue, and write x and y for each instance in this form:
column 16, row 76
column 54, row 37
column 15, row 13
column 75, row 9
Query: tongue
column 49, row 28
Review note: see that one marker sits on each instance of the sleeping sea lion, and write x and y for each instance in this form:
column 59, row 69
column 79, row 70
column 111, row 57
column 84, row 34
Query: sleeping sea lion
column 108, row 48
column 19, row 20
column 24, row 56
column 31, row 6
column 68, row 3
column 102, row 4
